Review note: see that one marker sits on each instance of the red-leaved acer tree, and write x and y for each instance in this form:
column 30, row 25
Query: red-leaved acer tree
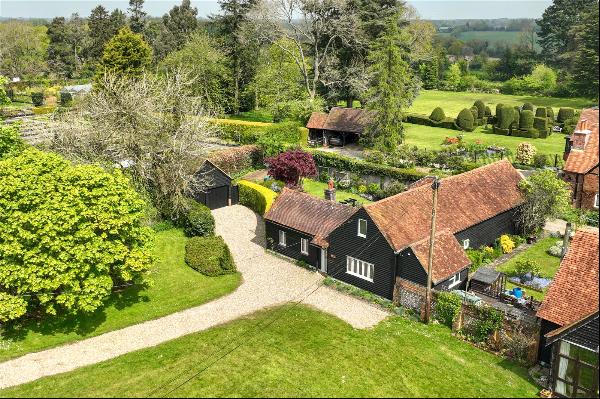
column 291, row 166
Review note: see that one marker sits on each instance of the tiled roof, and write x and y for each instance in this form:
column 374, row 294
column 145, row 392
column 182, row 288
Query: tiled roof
column 449, row 257
column 308, row 214
column 352, row 120
column 574, row 292
column 463, row 201
column 317, row 120
column 582, row 161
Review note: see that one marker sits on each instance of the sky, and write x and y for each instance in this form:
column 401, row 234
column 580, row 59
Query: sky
column 428, row 9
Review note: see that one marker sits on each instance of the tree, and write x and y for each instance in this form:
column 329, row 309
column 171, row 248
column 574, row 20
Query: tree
column 137, row 16
column 454, row 77
column 586, row 60
column 126, row 54
column 392, row 89
column 241, row 50
column 68, row 235
column 23, row 49
column 545, row 196
column 208, row 65
column 68, row 39
column 118, row 20
column 556, row 34
column 152, row 125
column 291, row 167
column 100, row 31
column 4, row 100
column 181, row 21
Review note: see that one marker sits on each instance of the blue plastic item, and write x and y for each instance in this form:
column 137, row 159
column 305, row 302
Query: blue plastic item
column 517, row 292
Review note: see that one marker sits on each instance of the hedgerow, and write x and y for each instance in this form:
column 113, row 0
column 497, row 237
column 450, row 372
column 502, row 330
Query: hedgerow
column 209, row 255
column 255, row 196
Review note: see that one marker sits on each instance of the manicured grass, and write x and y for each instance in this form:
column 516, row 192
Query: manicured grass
column 317, row 189
column 176, row 287
column 303, row 353
column 453, row 102
column 549, row 264
column 432, row 138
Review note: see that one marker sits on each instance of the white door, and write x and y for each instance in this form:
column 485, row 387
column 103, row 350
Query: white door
column 324, row 260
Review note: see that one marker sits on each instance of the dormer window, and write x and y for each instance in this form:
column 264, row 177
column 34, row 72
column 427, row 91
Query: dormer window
column 362, row 228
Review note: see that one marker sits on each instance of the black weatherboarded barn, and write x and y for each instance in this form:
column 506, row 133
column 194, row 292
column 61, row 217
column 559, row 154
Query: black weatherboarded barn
column 218, row 190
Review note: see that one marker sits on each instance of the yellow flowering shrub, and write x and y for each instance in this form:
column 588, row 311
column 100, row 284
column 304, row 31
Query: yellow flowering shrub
column 507, row 244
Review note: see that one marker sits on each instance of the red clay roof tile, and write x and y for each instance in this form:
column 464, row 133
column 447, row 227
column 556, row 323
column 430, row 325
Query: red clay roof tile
column 449, row 257
column 583, row 160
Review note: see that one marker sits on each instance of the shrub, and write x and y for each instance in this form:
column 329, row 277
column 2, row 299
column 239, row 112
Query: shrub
column 485, row 323
column 541, row 124
column 437, row 115
column 569, row 125
column 256, row 197
column 279, row 138
column 449, row 123
column 37, row 98
column 480, row 108
column 526, row 120
column 516, row 118
column 292, row 166
column 447, row 308
column 393, row 189
column 528, row 107
column 540, row 160
column 564, row 114
column 504, row 116
column 235, row 159
column 10, row 140
column 518, row 345
column 525, row 153
column 209, row 255
column 73, row 230
column 541, row 112
column 66, row 98
column 488, row 111
column 556, row 249
column 507, row 244
column 465, row 120
column 198, row 221
column 498, row 107
column 475, row 113
column 242, row 132
column 550, row 113
column 525, row 266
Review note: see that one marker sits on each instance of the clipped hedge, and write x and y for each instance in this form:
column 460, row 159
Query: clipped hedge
column 541, row 124
column 465, row 120
column 255, row 196
column 475, row 113
column 437, row 115
column 504, row 116
column 550, row 113
column 526, row 120
column 419, row 119
column 528, row 107
column 480, row 109
column 342, row 163
column 564, row 114
column 198, row 221
column 209, row 255
column 488, row 111
column 541, row 112
column 529, row 133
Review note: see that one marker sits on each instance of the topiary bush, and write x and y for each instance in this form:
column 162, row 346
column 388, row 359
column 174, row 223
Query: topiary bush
column 528, row 107
column 541, row 112
column 256, row 197
column 197, row 220
column 504, row 117
column 541, row 160
column 37, row 98
column 480, row 108
column 488, row 111
column 550, row 113
column 516, row 118
column 66, row 98
column 564, row 114
column 437, row 115
column 75, row 231
column 465, row 120
column 209, row 255
column 498, row 107
column 526, row 120
column 541, row 124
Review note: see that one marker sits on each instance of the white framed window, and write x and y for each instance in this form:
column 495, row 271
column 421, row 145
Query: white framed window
column 304, row 246
column 466, row 244
column 360, row 268
column 454, row 280
column 597, row 201
column 362, row 228
column 282, row 238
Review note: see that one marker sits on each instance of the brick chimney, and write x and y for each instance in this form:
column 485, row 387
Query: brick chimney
column 330, row 191
column 581, row 135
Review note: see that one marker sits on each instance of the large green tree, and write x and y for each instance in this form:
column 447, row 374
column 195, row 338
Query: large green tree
column 23, row 49
column 201, row 57
column 68, row 41
column 137, row 16
column 68, row 235
column 180, row 22
column 392, row 89
column 126, row 54
column 100, row 31
column 585, row 65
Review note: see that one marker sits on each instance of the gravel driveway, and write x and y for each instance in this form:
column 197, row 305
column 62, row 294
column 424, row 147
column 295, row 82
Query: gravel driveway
column 267, row 281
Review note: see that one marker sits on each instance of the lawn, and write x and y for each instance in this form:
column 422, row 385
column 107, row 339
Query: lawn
column 176, row 287
column 453, row 102
column 303, row 353
column 317, row 189
column 432, row 138
column 549, row 264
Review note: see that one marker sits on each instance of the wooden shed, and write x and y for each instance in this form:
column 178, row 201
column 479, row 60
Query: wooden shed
column 218, row 188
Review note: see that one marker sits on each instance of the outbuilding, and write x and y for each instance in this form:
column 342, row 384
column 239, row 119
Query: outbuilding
column 218, row 190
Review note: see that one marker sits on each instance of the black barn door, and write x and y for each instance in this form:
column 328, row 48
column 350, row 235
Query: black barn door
column 217, row 197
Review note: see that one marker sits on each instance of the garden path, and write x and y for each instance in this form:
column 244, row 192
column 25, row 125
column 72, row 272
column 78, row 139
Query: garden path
column 268, row 281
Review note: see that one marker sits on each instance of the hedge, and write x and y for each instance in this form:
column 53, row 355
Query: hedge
column 550, row 113
column 526, row 121
column 198, row 220
column 465, row 120
column 541, row 124
column 242, row 132
column 209, row 255
column 504, row 116
column 255, row 196
column 541, row 112
column 527, row 107
column 529, row 133
column 437, row 115
column 565, row 113
column 419, row 119
column 480, row 109
column 342, row 163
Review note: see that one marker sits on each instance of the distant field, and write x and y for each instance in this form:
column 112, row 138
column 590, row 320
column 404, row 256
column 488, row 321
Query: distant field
column 493, row 37
column 454, row 102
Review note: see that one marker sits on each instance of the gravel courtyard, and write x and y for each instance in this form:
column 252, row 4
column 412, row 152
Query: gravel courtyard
column 267, row 281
